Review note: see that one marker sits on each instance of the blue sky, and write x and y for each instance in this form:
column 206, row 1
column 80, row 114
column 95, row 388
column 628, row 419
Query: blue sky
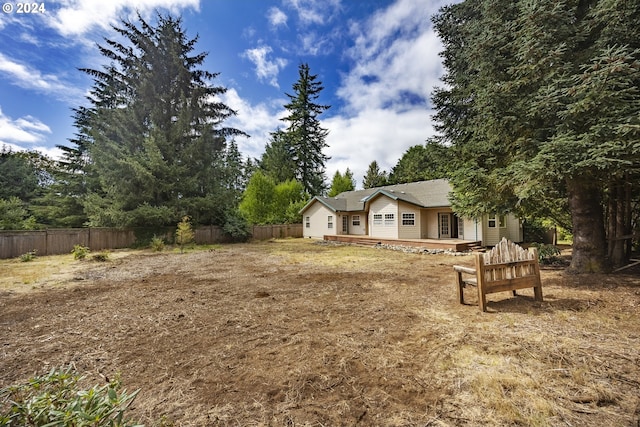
column 377, row 59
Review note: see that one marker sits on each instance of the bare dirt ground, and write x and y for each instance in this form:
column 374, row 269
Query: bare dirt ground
column 295, row 333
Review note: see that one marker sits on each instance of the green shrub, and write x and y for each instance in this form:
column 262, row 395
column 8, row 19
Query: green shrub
column 547, row 254
column 184, row 233
column 236, row 226
column 101, row 257
column 157, row 244
column 55, row 399
column 80, row 252
column 29, row 256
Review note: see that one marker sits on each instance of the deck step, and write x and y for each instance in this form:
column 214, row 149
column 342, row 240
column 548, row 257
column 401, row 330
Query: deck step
column 453, row 245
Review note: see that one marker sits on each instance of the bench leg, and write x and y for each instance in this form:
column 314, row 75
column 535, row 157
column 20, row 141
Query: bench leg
column 537, row 292
column 460, row 287
column 482, row 298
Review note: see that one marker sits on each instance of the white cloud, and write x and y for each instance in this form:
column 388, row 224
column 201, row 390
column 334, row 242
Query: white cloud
column 387, row 92
column 374, row 134
column 313, row 43
column 256, row 120
column 25, row 130
column 396, row 53
column 25, row 76
column 277, row 17
column 266, row 69
column 314, row 11
column 77, row 17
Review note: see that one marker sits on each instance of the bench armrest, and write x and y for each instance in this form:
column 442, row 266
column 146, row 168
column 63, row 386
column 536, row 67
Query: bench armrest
column 462, row 269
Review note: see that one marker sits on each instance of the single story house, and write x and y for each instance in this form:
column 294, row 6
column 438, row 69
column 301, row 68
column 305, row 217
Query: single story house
column 416, row 210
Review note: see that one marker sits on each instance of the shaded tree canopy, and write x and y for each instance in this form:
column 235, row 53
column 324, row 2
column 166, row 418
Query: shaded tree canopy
column 23, row 174
column 341, row 183
column 277, row 160
column 422, row 163
column 374, row 176
column 542, row 110
column 154, row 132
column 265, row 202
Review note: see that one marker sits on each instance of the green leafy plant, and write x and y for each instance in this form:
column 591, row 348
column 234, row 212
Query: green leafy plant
column 157, row 244
column 55, row 399
column 184, row 233
column 80, row 252
column 547, row 254
column 101, row 257
column 29, row 256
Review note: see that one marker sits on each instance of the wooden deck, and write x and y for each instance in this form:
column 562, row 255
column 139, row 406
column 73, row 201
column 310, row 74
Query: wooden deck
column 456, row 245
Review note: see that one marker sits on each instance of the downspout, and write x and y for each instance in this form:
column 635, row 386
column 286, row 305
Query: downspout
column 476, row 220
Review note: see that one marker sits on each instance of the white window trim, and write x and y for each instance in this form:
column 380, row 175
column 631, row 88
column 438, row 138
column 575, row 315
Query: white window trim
column 355, row 220
column 409, row 217
column 389, row 220
column 330, row 222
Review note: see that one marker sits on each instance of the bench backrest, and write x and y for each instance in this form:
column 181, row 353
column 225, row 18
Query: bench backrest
column 508, row 261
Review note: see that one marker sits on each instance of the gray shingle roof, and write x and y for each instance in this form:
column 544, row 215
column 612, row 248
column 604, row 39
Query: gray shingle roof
column 425, row 194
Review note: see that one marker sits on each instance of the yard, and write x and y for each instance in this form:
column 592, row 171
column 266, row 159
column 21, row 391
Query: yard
column 296, row 333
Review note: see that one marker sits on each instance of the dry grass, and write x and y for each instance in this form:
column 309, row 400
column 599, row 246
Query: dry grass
column 296, row 333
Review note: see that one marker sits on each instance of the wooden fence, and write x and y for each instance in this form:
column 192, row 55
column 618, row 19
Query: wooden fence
column 62, row 241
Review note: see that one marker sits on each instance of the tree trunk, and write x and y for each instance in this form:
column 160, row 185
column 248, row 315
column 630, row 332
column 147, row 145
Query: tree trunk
column 618, row 223
column 589, row 243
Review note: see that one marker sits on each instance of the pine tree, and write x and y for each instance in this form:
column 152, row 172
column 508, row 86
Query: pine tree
column 184, row 233
column 541, row 109
column 421, row 163
column 19, row 176
column 341, row 183
column 277, row 160
column 154, row 131
column 374, row 176
column 304, row 135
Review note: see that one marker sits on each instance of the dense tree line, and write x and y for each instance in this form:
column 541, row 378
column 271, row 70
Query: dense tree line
column 541, row 109
column 151, row 146
column 538, row 114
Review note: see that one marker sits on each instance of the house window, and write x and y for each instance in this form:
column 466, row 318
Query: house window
column 355, row 220
column 307, row 222
column 497, row 221
column 330, row 221
column 377, row 219
column 389, row 219
column 408, row 219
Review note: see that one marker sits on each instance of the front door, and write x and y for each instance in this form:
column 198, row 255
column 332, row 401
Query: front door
column 345, row 224
column 445, row 226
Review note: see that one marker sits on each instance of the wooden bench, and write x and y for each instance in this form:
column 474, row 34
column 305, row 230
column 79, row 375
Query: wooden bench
column 506, row 267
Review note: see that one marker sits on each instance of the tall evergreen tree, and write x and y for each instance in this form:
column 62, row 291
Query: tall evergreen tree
column 341, row 183
column 304, row 135
column 421, row 163
column 19, row 175
column 374, row 176
column 540, row 106
column 154, row 131
column 34, row 180
column 277, row 160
